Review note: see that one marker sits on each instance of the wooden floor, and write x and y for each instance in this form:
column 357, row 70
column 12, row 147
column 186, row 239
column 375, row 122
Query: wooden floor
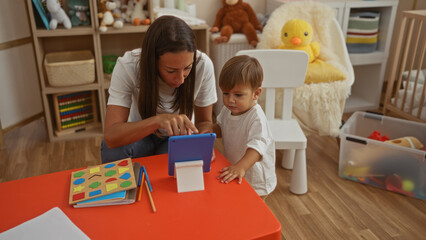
column 333, row 208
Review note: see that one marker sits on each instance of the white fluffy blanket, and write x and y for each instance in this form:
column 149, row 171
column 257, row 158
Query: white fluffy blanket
column 318, row 107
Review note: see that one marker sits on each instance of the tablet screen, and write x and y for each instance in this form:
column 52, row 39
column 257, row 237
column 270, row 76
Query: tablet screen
column 189, row 148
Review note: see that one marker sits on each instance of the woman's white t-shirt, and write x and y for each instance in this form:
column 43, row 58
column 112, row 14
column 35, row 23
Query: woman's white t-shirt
column 124, row 88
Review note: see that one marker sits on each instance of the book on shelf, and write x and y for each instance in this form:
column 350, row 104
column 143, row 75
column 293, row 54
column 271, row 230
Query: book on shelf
column 107, row 184
column 40, row 14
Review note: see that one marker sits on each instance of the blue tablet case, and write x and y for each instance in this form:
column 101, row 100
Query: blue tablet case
column 191, row 147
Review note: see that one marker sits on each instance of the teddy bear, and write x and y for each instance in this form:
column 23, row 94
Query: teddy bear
column 57, row 14
column 236, row 16
column 106, row 16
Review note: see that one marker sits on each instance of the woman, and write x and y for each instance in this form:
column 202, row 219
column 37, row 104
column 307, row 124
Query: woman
column 156, row 90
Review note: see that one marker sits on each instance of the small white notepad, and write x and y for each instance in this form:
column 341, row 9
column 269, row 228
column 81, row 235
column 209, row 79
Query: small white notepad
column 53, row 224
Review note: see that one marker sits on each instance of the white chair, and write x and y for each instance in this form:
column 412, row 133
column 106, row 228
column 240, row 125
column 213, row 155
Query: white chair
column 285, row 69
column 318, row 107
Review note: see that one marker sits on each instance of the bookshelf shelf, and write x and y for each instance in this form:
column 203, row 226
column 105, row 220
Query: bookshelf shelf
column 113, row 41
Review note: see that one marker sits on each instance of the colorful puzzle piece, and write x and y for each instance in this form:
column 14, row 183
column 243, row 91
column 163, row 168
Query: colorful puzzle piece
column 110, row 173
column 79, row 181
column 111, row 179
column 122, row 170
column 110, row 165
column 94, row 193
column 110, row 187
column 125, row 184
column 78, row 196
column 123, row 163
column 95, row 170
column 79, row 188
column 78, row 174
column 125, row 176
column 95, row 185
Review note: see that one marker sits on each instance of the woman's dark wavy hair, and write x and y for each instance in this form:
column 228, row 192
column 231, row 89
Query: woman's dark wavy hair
column 166, row 34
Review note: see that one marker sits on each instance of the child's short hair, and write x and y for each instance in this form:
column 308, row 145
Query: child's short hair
column 241, row 69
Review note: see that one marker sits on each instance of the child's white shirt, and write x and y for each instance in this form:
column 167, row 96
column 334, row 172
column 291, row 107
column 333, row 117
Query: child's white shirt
column 250, row 130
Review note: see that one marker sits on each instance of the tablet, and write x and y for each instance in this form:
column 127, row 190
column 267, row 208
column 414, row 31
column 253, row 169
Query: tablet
column 191, row 147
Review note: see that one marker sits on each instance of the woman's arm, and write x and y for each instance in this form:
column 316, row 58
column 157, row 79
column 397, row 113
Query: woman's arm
column 119, row 132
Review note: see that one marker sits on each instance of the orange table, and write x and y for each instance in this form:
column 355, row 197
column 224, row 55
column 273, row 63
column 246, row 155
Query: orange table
column 221, row 211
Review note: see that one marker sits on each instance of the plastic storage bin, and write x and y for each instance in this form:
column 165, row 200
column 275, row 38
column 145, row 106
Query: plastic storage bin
column 69, row 68
column 388, row 166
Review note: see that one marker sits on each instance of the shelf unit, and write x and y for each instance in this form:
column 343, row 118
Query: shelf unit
column 113, row 41
column 369, row 68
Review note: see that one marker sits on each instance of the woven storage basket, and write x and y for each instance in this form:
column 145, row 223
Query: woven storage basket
column 69, row 68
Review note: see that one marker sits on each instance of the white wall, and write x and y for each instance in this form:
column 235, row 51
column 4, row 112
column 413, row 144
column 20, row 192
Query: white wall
column 207, row 9
column 19, row 88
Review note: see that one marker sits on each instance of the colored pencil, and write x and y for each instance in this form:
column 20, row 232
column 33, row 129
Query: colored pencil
column 147, row 178
column 150, row 197
column 141, row 186
column 140, row 175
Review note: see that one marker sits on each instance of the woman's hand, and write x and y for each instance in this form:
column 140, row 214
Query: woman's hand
column 176, row 124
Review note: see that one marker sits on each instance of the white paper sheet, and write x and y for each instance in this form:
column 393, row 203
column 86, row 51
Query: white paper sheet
column 53, row 224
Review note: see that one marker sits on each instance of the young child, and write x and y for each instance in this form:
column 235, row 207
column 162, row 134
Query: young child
column 242, row 124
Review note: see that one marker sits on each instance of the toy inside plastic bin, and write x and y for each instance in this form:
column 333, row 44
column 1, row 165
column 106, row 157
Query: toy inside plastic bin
column 385, row 165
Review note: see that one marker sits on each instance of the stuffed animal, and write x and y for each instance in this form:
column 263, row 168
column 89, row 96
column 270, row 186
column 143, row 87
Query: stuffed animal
column 138, row 15
column 57, row 14
column 127, row 10
column 79, row 12
column 106, row 16
column 296, row 34
column 411, row 142
column 118, row 16
column 236, row 16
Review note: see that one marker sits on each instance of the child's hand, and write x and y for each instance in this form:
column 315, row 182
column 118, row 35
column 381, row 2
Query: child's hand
column 213, row 156
column 230, row 173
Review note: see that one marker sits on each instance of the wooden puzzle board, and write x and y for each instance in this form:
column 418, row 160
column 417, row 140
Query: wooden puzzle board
column 102, row 179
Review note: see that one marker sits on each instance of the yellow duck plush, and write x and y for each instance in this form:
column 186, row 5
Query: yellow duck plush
column 297, row 34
